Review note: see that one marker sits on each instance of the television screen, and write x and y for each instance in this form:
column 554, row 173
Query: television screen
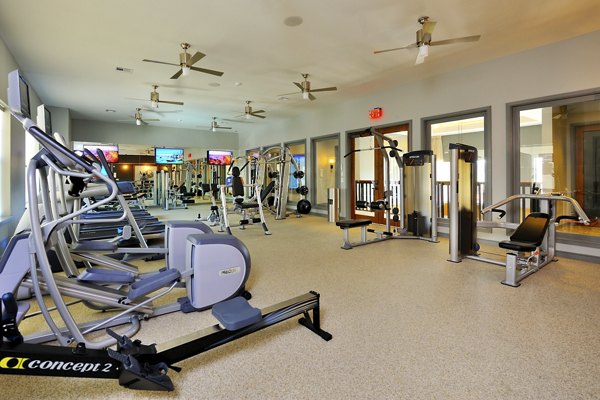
column 163, row 155
column 219, row 157
column 44, row 119
column 24, row 91
column 111, row 152
column 47, row 121
column 18, row 94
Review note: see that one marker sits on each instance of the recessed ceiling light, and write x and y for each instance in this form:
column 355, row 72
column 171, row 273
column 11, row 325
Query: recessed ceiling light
column 214, row 84
column 293, row 21
column 238, row 84
column 110, row 110
column 283, row 98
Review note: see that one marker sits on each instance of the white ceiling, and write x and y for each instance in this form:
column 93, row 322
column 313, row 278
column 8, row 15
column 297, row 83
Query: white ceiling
column 69, row 49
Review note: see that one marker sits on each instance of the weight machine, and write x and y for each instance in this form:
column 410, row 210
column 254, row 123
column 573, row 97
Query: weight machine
column 533, row 242
column 421, row 223
column 278, row 164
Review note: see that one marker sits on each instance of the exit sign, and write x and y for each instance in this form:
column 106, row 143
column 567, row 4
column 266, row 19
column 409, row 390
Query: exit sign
column 376, row 113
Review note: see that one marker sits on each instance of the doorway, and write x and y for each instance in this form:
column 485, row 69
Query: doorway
column 367, row 182
column 587, row 189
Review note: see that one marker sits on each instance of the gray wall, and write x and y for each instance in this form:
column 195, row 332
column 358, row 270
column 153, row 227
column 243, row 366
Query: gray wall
column 106, row 132
column 61, row 121
column 16, row 169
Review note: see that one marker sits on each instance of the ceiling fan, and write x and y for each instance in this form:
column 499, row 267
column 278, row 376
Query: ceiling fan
column 186, row 61
column 424, row 40
column 215, row 125
column 249, row 112
column 307, row 91
column 138, row 118
column 155, row 98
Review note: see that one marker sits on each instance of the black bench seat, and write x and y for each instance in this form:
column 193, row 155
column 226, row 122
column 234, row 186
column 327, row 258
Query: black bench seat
column 352, row 223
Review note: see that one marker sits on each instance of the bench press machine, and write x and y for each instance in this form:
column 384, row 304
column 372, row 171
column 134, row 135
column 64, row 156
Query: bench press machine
column 533, row 242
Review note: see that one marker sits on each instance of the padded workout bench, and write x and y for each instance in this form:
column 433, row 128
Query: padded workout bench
column 347, row 224
column 527, row 238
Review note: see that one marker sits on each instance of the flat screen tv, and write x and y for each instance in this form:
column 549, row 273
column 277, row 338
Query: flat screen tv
column 47, row 121
column 164, row 155
column 111, row 152
column 18, row 94
column 44, row 119
column 219, row 157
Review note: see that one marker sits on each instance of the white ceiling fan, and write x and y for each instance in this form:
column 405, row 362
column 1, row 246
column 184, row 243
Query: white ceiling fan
column 155, row 98
column 139, row 120
column 214, row 125
column 306, row 90
column 185, row 63
column 424, row 40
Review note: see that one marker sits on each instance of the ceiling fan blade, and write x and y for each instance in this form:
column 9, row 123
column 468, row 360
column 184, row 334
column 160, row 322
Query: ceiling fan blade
column 465, row 39
column 257, row 112
column 224, row 127
column 160, row 112
column 410, row 46
column 238, row 121
column 428, row 27
column 311, row 97
column 327, row 89
column 160, row 62
column 179, row 103
column 177, row 74
column 258, row 116
column 143, row 122
column 151, row 120
column 288, row 94
column 207, row 71
column 299, row 86
column 196, row 57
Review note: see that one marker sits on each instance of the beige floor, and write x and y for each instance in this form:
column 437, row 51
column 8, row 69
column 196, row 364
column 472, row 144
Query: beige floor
column 406, row 324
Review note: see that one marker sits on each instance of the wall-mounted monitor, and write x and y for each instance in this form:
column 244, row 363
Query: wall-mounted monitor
column 111, row 152
column 18, row 94
column 44, row 119
column 164, row 155
column 219, row 157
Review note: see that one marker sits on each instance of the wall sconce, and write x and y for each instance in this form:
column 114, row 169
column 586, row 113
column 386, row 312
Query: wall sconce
column 331, row 163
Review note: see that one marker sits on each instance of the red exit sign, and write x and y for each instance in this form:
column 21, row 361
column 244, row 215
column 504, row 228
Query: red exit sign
column 376, row 113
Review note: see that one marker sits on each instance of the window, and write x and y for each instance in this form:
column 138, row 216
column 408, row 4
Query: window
column 556, row 149
column 298, row 150
column 471, row 128
column 4, row 162
column 325, row 153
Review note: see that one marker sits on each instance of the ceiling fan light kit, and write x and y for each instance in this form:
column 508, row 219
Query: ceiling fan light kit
column 186, row 62
column 424, row 40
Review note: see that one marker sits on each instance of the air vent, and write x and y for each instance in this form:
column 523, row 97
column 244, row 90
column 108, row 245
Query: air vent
column 123, row 69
